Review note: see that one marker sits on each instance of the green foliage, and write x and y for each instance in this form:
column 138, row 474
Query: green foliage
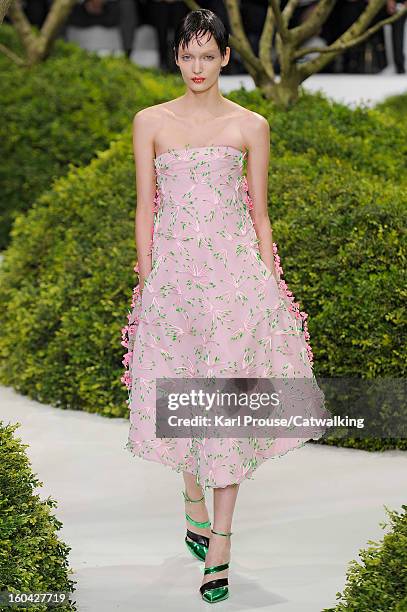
column 65, row 284
column 32, row 558
column 343, row 242
column 58, row 114
column 379, row 581
column 365, row 139
column 395, row 107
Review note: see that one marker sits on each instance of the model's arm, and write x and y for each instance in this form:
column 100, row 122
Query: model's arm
column 143, row 148
column 256, row 133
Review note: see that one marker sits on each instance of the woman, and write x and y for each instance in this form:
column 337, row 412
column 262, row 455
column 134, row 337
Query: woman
column 210, row 300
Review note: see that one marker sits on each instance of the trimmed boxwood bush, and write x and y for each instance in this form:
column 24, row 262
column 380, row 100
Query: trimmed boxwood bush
column 32, row 557
column 345, row 244
column 65, row 285
column 396, row 107
column 60, row 113
column 70, row 287
column 379, row 582
column 369, row 140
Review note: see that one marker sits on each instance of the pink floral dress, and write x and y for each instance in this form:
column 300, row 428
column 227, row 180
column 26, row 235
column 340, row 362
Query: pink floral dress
column 209, row 307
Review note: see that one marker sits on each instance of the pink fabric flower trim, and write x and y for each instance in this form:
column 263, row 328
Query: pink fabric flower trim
column 248, row 198
column 293, row 307
column 129, row 331
column 157, row 200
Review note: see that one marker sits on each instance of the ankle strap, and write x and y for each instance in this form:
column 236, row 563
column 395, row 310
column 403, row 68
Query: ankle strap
column 194, row 501
column 216, row 568
column 197, row 523
column 222, row 534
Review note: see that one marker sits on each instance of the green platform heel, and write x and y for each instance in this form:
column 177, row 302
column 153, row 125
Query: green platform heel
column 197, row 544
column 218, row 589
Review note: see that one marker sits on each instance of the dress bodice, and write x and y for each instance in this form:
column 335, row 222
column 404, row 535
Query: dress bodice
column 212, row 173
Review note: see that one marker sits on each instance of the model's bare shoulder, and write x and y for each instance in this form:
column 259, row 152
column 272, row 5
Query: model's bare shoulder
column 255, row 120
column 255, row 129
column 147, row 117
column 147, row 122
column 155, row 113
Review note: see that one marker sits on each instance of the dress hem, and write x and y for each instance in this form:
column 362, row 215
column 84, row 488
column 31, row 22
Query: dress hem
column 205, row 485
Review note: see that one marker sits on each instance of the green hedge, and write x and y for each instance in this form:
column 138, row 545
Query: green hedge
column 32, row 557
column 367, row 139
column 344, row 244
column 379, row 582
column 338, row 215
column 60, row 113
column 65, row 287
column 396, row 107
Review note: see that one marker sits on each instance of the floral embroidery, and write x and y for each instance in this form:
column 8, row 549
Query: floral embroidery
column 209, row 308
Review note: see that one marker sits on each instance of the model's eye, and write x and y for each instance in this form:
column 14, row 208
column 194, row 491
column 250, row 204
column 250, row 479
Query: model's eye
column 187, row 57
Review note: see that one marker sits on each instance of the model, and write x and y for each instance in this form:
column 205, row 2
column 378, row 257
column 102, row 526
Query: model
column 210, row 300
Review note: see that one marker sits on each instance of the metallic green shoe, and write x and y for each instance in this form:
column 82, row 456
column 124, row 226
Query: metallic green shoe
column 197, row 544
column 216, row 590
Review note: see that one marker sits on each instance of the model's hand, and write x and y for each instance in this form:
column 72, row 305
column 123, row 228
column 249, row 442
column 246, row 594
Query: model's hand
column 271, row 268
column 141, row 285
column 141, row 280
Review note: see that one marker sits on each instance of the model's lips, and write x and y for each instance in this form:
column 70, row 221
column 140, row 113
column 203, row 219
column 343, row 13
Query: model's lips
column 198, row 79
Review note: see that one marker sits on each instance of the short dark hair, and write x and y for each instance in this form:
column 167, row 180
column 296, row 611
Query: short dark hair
column 199, row 23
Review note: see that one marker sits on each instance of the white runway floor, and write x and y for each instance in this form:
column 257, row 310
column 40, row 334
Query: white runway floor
column 296, row 525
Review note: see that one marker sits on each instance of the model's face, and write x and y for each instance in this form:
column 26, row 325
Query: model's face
column 200, row 64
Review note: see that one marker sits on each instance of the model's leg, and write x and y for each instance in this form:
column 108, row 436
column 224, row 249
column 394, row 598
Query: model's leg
column 397, row 34
column 224, row 500
column 160, row 16
column 197, row 511
column 128, row 24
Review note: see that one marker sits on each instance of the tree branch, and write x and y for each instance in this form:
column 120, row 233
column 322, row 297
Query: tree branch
column 281, row 25
column 266, row 43
column 351, row 43
column 313, row 23
column 4, row 7
column 57, row 15
column 311, row 67
column 37, row 45
column 243, row 46
column 289, row 10
column 22, row 26
column 11, row 55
